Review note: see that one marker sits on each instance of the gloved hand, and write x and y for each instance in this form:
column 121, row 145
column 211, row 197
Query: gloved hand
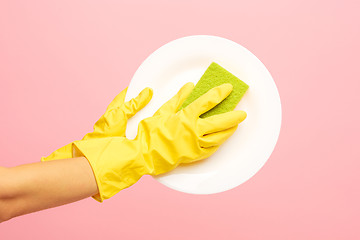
column 112, row 123
column 164, row 141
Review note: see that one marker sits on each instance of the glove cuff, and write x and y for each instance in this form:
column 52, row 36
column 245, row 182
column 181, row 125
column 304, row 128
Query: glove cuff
column 61, row 153
column 117, row 163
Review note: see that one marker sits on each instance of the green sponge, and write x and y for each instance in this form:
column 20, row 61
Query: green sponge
column 214, row 76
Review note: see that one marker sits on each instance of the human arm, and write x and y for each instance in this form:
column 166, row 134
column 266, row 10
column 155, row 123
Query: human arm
column 37, row 186
column 167, row 139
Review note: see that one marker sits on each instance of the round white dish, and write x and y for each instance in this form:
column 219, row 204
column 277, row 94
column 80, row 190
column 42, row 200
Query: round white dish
column 185, row 60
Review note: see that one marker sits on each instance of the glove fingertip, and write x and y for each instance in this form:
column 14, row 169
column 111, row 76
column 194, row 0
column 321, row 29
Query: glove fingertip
column 240, row 115
column 144, row 97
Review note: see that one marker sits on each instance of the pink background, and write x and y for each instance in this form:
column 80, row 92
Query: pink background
column 62, row 62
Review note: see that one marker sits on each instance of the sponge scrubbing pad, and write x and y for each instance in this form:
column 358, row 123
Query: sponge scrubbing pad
column 214, row 76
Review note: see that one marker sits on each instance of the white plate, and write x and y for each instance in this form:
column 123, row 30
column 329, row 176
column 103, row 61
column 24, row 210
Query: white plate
column 246, row 151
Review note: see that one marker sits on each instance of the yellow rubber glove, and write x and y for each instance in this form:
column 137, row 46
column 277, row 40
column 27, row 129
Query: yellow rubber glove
column 164, row 141
column 112, row 123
